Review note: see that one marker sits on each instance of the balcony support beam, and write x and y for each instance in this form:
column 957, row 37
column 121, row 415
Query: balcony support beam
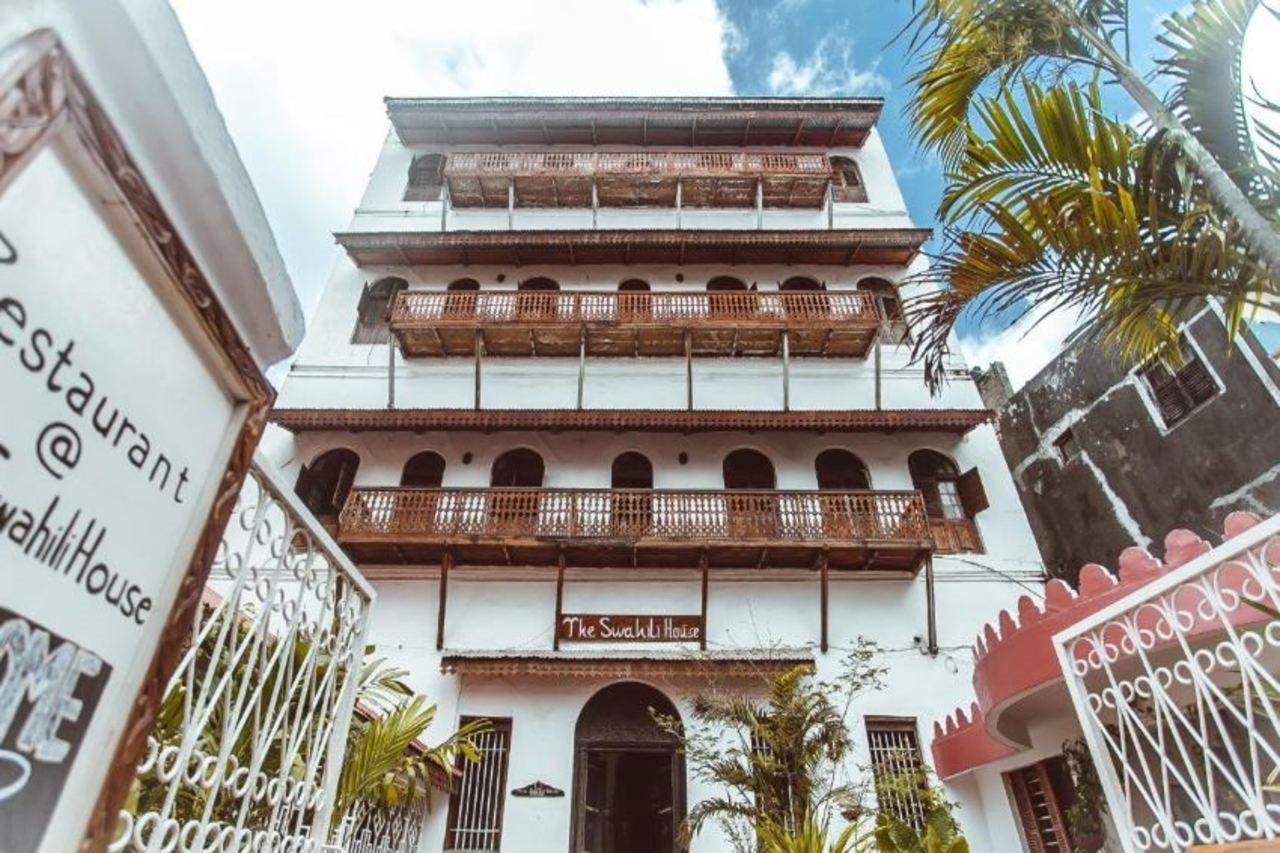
column 479, row 358
column 878, row 372
column 555, row 630
column 595, row 205
column 391, row 371
column 786, row 370
column 825, row 580
column 931, row 613
column 688, row 370
column 511, row 204
column 679, row 201
column 759, row 203
column 446, row 560
column 703, row 566
column 582, row 362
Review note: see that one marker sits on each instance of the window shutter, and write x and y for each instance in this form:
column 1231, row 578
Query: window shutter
column 1197, row 381
column 972, row 494
column 306, row 488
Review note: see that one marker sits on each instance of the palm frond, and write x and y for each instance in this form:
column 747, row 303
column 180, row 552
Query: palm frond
column 1205, row 42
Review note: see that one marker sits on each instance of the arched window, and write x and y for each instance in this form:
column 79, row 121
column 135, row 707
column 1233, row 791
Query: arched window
column 722, row 298
column 937, row 479
column 748, row 469
column 324, row 485
column 628, row 773
column 426, row 178
column 840, row 470
column 374, row 310
column 461, row 301
column 424, row 470
column 535, row 301
column 847, row 184
column 889, row 307
column 521, row 468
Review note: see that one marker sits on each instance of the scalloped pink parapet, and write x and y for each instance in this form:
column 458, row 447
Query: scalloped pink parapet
column 1014, row 655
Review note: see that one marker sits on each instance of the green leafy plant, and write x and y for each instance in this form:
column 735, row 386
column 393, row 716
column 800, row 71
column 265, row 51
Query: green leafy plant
column 937, row 832
column 1054, row 206
column 1088, row 804
column 814, row 836
column 777, row 754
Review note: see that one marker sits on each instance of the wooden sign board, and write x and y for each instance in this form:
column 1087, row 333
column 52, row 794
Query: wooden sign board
column 618, row 628
column 131, row 408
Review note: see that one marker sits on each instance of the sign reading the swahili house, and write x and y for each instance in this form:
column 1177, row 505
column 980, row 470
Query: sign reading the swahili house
column 129, row 409
column 599, row 627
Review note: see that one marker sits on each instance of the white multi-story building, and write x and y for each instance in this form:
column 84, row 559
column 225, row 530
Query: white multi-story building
column 586, row 360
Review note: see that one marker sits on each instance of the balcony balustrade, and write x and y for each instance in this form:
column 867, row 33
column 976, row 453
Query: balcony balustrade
column 879, row 530
column 571, row 323
column 583, row 179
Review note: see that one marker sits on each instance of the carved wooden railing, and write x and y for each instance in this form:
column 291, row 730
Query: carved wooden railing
column 810, row 309
column 955, row 535
column 732, row 516
column 664, row 163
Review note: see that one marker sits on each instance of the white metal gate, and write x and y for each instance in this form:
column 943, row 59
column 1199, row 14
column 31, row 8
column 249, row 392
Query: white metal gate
column 246, row 751
column 1177, row 693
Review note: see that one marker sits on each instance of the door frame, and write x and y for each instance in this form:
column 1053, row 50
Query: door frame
column 679, row 793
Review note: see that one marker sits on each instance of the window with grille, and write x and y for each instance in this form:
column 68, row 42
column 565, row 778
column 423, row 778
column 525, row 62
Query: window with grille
column 1067, row 446
column 1179, row 391
column 475, row 807
column 897, row 767
column 1041, row 793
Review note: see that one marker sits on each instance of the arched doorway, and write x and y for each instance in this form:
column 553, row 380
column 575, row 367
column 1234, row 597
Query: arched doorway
column 629, row 777
column 462, row 299
column 753, row 504
column 844, row 515
column 324, row 485
column 514, row 503
column 635, row 302
column 722, row 296
column 631, row 510
column 937, row 479
column 536, row 299
column 805, row 297
column 889, row 305
column 424, row 470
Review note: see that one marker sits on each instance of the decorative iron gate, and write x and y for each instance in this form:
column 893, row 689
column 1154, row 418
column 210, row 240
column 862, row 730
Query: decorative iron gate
column 246, row 751
column 1177, row 691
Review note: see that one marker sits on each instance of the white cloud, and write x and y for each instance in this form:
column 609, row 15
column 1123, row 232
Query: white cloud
column 1025, row 347
column 301, row 83
column 829, row 70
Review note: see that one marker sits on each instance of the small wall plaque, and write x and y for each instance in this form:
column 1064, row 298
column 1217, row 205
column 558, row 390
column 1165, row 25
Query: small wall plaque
column 538, row 789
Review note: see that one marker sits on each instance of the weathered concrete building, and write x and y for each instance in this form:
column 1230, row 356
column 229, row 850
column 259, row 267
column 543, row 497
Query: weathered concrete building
column 1105, row 455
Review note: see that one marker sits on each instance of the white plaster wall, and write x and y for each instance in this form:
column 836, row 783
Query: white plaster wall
column 514, row 609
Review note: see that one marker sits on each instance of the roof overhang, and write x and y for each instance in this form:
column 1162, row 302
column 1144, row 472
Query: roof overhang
column 740, row 663
column 878, row 246
column 739, row 122
column 958, row 421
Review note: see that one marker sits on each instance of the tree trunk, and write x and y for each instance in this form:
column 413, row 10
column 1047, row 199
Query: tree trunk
column 1259, row 234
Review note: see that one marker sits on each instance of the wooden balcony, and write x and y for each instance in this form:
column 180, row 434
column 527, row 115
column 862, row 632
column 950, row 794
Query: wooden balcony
column 584, row 179
column 871, row 530
column 562, row 323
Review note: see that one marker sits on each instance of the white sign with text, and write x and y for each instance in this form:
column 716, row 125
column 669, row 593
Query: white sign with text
column 113, row 431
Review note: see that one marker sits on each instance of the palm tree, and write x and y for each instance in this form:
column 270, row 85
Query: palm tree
column 967, row 42
column 1054, row 205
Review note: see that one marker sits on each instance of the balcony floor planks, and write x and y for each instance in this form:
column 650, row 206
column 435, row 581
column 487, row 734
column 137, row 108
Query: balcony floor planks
column 890, row 556
column 519, row 340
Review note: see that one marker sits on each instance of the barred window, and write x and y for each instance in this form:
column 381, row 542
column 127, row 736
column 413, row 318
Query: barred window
column 475, row 807
column 1179, row 391
column 897, row 767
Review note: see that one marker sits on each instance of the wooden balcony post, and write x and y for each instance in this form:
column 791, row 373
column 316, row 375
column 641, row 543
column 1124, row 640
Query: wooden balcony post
column 444, row 207
column 688, row 370
column 831, row 207
column 877, row 357
column 595, row 205
column 582, row 362
column 555, row 631
column 511, row 204
column 446, row 560
column 931, row 607
column 679, row 202
column 706, row 583
column 391, row 371
column 786, row 370
column 825, row 581
column 759, row 203
column 479, row 354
